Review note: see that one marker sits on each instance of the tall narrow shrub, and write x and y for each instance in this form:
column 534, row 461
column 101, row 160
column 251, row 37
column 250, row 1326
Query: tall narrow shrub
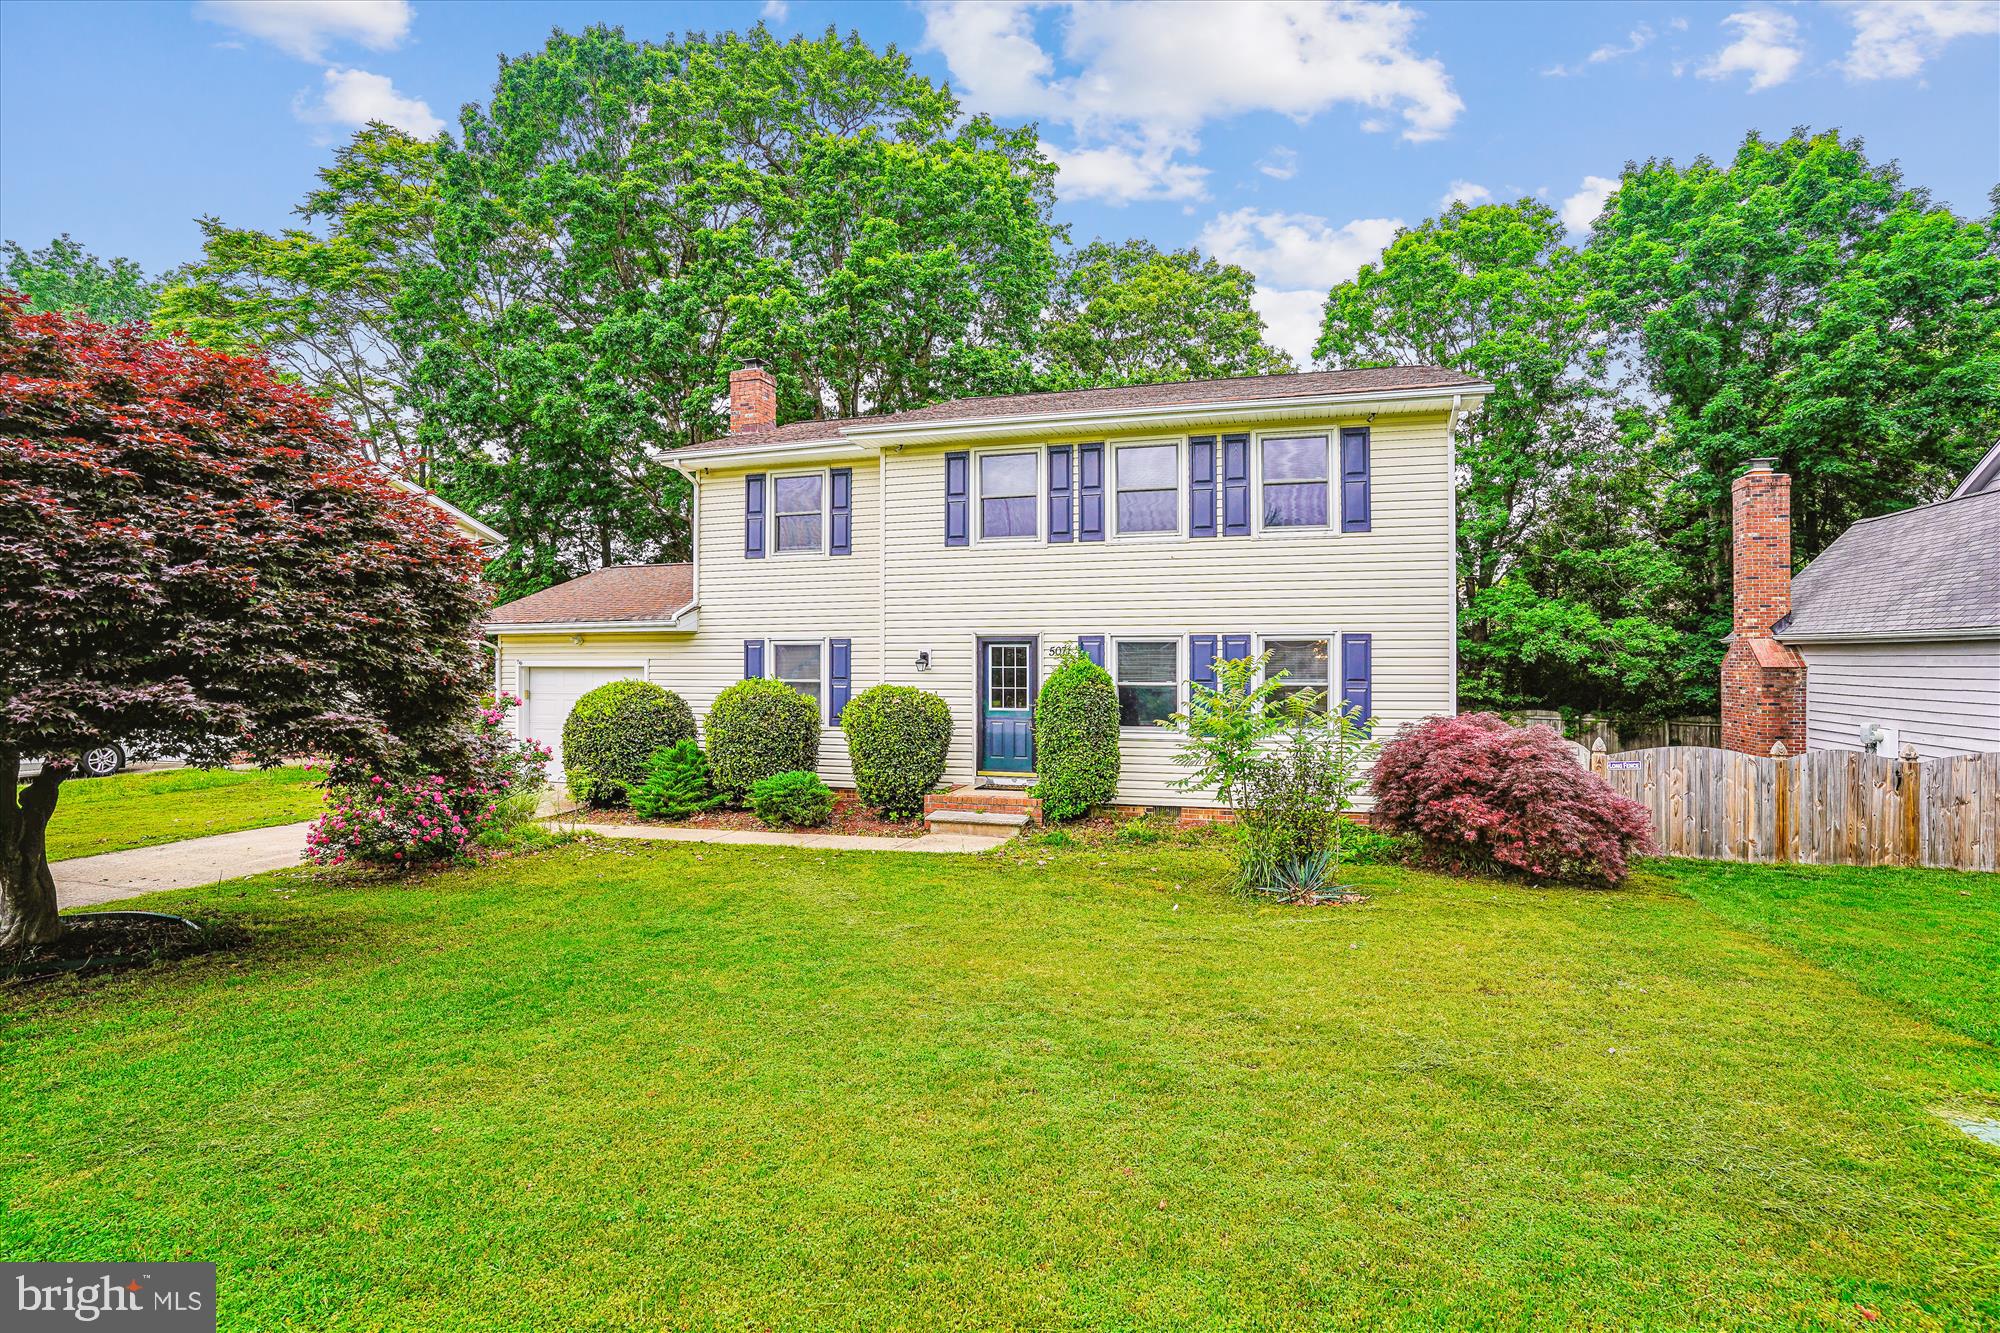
column 1076, row 737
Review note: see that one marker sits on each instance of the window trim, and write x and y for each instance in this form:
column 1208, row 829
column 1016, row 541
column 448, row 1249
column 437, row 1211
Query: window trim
column 1179, row 682
column 1260, row 644
column 1331, row 434
column 771, row 547
column 820, row 646
column 1038, row 493
column 1179, row 445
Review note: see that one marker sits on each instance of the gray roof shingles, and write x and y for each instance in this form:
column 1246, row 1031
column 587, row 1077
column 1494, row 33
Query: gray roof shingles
column 620, row 593
column 1935, row 568
column 1186, row 393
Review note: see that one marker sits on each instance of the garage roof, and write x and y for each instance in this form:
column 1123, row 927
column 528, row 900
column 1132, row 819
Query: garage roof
column 619, row 594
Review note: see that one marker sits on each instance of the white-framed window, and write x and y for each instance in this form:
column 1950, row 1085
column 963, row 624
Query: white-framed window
column 1306, row 662
column 801, row 666
column 1149, row 680
column 1295, row 481
column 1147, row 478
column 1009, row 484
column 798, row 509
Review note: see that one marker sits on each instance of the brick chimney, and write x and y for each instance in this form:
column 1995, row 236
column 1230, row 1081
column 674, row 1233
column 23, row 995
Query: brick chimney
column 1763, row 681
column 753, row 400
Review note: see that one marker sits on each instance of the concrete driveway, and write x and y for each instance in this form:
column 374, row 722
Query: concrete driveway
column 90, row 880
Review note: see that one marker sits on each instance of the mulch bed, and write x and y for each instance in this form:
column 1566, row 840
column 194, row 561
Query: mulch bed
column 104, row 941
column 849, row 816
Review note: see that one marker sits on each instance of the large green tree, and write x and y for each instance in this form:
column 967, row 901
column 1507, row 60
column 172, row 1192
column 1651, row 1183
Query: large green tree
column 316, row 299
column 1800, row 303
column 64, row 278
column 624, row 223
column 1132, row 313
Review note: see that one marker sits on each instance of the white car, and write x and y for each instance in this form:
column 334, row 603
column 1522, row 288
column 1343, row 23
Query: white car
column 99, row 761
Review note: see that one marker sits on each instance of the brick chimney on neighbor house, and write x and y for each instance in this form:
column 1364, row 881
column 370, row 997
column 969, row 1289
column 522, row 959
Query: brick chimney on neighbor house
column 1763, row 681
column 753, row 400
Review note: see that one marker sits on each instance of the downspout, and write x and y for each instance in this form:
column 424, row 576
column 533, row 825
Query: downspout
column 1451, row 530
column 882, row 568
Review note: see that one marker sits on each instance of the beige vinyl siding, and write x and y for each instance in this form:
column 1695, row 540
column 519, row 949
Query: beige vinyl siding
column 1943, row 698
column 1394, row 583
column 791, row 598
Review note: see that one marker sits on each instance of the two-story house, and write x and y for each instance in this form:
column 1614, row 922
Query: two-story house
column 1160, row 527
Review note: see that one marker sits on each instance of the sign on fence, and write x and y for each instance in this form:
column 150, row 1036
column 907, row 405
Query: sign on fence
column 1824, row 807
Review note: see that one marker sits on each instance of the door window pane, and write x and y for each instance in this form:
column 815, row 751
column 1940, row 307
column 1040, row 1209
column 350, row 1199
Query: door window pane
column 1149, row 492
column 797, row 503
column 1148, row 681
column 1007, row 677
column 797, row 664
column 1295, row 482
column 1304, row 662
column 1007, row 505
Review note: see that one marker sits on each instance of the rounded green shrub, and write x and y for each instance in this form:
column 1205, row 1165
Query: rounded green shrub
column 758, row 729
column 1076, row 737
column 797, row 799
column 897, row 736
column 612, row 733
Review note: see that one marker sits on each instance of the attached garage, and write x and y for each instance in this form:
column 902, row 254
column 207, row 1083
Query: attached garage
column 549, row 692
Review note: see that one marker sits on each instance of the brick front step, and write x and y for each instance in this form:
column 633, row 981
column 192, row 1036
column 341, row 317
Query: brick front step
column 986, row 800
column 977, row 823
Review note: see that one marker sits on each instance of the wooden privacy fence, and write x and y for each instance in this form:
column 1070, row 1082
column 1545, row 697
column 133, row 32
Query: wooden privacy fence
column 1823, row 807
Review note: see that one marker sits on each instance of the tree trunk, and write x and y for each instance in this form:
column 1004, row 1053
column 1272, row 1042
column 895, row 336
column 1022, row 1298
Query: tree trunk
column 27, row 889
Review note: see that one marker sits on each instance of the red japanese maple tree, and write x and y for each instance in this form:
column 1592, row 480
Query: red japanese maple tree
column 194, row 556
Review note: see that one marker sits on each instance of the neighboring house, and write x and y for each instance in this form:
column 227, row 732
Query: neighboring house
column 1159, row 527
column 1891, row 638
column 464, row 522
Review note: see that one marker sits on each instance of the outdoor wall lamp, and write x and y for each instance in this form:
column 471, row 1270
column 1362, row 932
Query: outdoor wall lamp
column 924, row 660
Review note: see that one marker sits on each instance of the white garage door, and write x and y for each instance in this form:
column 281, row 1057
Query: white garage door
column 548, row 693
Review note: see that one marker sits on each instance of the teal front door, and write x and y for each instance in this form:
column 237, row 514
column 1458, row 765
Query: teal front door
column 1006, row 706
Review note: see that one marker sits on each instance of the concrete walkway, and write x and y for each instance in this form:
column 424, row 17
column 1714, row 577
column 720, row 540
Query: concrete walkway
column 833, row 842
column 87, row 881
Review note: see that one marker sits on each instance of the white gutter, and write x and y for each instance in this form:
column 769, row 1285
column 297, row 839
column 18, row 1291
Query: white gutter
column 1890, row 636
column 593, row 626
column 734, row 455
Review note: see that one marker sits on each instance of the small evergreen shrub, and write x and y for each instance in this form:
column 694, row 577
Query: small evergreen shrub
column 798, row 799
column 757, row 729
column 612, row 733
column 677, row 784
column 898, row 737
column 1484, row 795
column 1076, row 737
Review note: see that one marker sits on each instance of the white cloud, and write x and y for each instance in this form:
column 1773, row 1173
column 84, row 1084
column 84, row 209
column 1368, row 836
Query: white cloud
column 1137, row 80
column 1470, row 192
column 1635, row 42
column 1127, row 173
column 1579, row 210
column 1297, row 258
column 1280, row 164
column 776, row 11
column 306, row 28
column 350, row 98
column 1766, row 48
column 1895, row 40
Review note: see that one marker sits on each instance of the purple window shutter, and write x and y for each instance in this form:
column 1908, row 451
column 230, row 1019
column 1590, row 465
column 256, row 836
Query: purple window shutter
column 753, row 658
column 1236, row 485
column 1062, row 526
column 957, row 499
column 1092, row 647
column 1201, row 486
column 1090, row 492
column 840, row 678
column 1356, row 692
column 753, row 516
column 1235, row 647
column 1201, row 659
column 840, row 512
column 1354, row 483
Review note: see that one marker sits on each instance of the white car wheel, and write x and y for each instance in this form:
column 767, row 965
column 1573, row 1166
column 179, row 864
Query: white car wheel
column 102, row 761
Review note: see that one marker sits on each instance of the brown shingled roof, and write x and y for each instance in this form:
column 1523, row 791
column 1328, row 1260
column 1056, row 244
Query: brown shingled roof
column 1186, row 393
column 618, row 593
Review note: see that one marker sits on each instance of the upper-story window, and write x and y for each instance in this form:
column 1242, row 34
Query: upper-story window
column 1295, row 481
column 799, row 502
column 1149, row 487
column 1008, row 498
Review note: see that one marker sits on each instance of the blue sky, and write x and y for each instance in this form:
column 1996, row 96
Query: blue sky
column 1289, row 138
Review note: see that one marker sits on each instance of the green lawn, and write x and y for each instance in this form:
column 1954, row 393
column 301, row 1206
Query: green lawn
column 648, row 1085
column 145, row 809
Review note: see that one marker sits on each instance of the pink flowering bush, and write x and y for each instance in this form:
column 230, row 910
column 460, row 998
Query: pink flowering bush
column 1485, row 795
column 396, row 821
